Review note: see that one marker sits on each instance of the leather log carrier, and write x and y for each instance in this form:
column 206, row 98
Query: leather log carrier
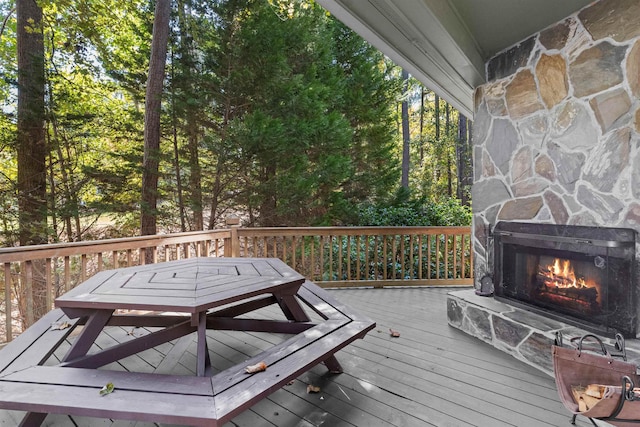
column 576, row 368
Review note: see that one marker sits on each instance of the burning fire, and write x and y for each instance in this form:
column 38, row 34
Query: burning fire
column 560, row 279
column 562, row 275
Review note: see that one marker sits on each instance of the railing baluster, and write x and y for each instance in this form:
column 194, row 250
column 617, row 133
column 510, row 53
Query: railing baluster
column 470, row 257
column 49, row 283
column 394, row 263
column 284, row 249
column 322, row 263
column 293, row 252
column 348, row 257
column 384, row 257
column 312, row 262
column 358, row 248
column 462, row 258
column 401, row 256
column 8, row 302
column 67, row 274
column 28, row 278
column 420, row 256
column 455, row 257
column 410, row 266
column 446, row 257
column 366, row 257
column 376, row 257
column 341, row 262
column 435, row 246
column 303, row 256
column 83, row 267
column 330, row 249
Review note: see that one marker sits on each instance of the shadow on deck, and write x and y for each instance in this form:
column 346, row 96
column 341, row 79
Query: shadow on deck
column 432, row 375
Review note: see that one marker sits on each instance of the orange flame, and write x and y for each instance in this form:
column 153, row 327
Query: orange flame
column 564, row 269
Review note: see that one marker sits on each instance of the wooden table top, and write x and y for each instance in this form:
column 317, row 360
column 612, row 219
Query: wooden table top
column 189, row 286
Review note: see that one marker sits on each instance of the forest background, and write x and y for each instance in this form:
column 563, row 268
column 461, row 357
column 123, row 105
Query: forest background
column 271, row 110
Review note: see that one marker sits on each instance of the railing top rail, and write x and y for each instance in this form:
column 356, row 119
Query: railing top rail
column 23, row 253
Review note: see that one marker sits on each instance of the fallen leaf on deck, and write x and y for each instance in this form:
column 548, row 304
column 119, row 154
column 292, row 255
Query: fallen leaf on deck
column 258, row 367
column 393, row 333
column 313, row 389
column 63, row 324
column 106, row 389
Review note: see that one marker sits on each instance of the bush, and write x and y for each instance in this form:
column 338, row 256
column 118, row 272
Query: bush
column 404, row 211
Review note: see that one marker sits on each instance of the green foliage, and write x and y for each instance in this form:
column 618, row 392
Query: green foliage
column 403, row 210
column 272, row 109
column 311, row 145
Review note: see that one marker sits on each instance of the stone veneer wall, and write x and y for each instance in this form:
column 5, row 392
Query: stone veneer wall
column 557, row 127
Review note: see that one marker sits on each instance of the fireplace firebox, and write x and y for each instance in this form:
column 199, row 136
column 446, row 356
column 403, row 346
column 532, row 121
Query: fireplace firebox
column 584, row 276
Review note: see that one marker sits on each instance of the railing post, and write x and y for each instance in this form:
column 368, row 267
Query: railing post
column 232, row 243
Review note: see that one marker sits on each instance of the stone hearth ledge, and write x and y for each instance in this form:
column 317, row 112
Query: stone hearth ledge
column 525, row 335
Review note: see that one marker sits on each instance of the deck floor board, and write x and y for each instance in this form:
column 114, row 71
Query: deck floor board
column 432, row 375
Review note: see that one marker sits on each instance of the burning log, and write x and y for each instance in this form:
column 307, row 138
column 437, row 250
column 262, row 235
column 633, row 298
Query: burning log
column 589, row 295
column 566, row 285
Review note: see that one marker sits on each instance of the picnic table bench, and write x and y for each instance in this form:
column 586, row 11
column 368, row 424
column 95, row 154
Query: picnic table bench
column 207, row 399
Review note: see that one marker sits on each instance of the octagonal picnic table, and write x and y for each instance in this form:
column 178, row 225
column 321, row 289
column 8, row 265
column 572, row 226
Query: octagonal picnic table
column 180, row 297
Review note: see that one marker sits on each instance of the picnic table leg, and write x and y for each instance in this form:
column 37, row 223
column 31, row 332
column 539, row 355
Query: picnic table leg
column 292, row 308
column 203, row 361
column 95, row 324
column 333, row 365
column 33, row 419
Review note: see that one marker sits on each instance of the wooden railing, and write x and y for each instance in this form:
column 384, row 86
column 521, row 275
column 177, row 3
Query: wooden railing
column 366, row 256
column 330, row 256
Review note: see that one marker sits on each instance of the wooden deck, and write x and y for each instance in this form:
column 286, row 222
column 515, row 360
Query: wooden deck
column 432, row 375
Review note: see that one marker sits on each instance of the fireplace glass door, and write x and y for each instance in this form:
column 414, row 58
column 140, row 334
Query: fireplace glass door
column 588, row 282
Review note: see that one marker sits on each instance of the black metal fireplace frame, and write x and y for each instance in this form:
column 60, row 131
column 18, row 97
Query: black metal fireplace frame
column 590, row 241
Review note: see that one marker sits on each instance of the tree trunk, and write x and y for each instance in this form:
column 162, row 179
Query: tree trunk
column 405, row 130
column 31, row 147
column 195, row 179
column 460, row 154
column 447, row 127
column 422, row 94
column 32, row 154
column 436, row 115
column 192, row 126
column 176, row 160
column 467, row 176
column 155, row 79
column 436, row 105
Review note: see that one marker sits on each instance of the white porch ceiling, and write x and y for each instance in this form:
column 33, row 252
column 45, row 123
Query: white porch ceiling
column 446, row 43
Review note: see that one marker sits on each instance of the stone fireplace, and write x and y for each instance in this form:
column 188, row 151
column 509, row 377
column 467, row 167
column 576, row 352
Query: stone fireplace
column 580, row 275
column 556, row 138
